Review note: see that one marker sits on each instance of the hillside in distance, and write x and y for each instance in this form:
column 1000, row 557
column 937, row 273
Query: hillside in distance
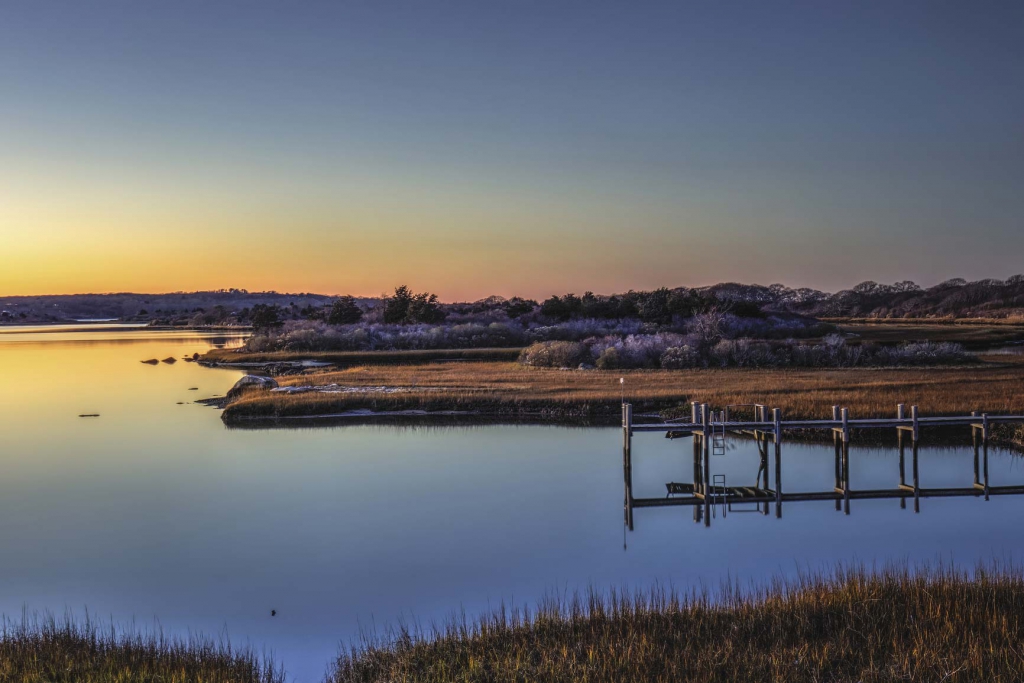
column 177, row 308
column 952, row 299
column 956, row 298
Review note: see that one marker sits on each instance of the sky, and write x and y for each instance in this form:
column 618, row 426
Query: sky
column 525, row 148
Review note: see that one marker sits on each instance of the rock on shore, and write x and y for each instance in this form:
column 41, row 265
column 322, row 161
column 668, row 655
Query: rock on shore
column 252, row 381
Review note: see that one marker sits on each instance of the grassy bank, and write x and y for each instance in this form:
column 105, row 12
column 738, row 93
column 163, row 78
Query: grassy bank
column 47, row 651
column 350, row 358
column 514, row 390
column 850, row 626
column 971, row 333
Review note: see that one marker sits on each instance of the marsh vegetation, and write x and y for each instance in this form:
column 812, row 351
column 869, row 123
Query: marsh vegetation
column 850, row 625
column 45, row 650
column 511, row 389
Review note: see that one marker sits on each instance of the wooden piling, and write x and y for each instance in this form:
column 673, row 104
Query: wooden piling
column 917, row 480
column 984, row 451
column 903, row 466
column 707, row 473
column 778, row 477
column 846, row 472
column 627, row 462
column 838, row 462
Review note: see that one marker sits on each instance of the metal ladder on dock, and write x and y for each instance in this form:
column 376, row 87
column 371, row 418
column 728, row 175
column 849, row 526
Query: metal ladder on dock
column 719, row 494
column 718, row 435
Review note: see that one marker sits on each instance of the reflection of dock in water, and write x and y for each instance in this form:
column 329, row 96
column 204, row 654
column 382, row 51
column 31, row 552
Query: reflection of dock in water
column 709, row 495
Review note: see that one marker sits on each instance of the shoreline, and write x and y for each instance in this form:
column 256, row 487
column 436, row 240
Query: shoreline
column 507, row 391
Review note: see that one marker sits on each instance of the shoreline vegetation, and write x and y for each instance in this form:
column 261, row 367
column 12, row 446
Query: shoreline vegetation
column 45, row 650
column 850, row 624
column 408, row 354
column 511, row 391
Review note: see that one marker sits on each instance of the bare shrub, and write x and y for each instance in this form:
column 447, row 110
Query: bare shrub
column 556, row 354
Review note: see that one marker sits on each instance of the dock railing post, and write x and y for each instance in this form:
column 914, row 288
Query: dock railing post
column 901, row 412
column 917, row 426
column 627, row 425
column 694, row 410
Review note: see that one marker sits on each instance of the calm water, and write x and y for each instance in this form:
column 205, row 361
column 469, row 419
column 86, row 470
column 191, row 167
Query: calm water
column 155, row 511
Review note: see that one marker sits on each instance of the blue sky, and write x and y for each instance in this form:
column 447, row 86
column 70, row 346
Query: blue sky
column 477, row 148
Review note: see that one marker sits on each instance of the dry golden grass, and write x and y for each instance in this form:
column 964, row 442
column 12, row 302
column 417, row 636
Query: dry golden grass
column 47, row 651
column 509, row 388
column 851, row 626
column 976, row 334
column 349, row 358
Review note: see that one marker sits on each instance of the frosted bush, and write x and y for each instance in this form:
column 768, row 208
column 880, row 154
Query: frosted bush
column 556, row 354
column 681, row 358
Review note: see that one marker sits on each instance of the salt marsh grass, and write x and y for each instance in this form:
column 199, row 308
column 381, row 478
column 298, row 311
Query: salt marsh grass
column 849, row 625
column 47, row 650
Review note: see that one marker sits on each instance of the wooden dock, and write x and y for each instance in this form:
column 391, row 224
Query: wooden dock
column 709, row 429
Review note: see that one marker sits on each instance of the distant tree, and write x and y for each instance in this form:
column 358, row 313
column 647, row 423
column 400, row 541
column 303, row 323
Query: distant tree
column 345, row 311
column 396, row 307
column 312, row 312
column 425, row 308
column 592, row 306
column 265, row 317
column 516, row 307
column 653, row 306
column 869, row 287
column 556, row 308
column 746, row 309
column 406, row 307
column 708, row 327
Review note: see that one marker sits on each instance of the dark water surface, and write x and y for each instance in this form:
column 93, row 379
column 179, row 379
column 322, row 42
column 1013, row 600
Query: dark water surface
column 156, row 511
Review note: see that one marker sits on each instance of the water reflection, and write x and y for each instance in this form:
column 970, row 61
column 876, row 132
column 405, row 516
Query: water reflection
column 156, row 511
column 712, row 493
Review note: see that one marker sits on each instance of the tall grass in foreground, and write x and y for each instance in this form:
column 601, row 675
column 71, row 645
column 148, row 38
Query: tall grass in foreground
column 851, row 625
column 44, row 650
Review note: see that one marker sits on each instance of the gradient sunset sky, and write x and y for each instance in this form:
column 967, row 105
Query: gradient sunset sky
column 507, row 148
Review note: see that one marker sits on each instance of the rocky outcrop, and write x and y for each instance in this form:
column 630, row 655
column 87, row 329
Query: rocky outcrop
column 252, row 381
